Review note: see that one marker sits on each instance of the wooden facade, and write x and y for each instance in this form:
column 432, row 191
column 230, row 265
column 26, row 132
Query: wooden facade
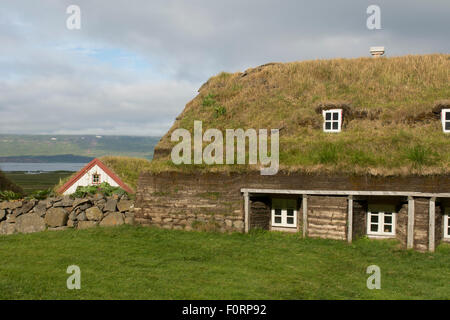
column 332, row 207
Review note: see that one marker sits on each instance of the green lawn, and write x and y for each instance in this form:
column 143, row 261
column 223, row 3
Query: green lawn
column 34, row 182
column 148, row 263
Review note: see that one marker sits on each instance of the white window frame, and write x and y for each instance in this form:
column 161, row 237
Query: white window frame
column 446, row 226
column 443, row 112
column 339, row 120
column 380, row 231
column 284, row 205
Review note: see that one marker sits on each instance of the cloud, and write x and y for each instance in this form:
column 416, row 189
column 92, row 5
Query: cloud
column 132, row 68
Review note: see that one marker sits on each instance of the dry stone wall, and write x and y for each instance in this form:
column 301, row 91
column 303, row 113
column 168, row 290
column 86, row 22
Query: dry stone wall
column 189, row 202
column 59, row 213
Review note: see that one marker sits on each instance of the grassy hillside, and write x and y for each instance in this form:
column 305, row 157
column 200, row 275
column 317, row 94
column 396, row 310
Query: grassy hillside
column 151, row 263
column 392, row 128
column 7, row 185
column 87, row 145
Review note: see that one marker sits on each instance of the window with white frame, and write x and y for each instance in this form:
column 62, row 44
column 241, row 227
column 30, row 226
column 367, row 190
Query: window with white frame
column 332, row 120
column 381, row 223
column 96, row 178
column 284, row 213
column 445, row 117
column 447, row 226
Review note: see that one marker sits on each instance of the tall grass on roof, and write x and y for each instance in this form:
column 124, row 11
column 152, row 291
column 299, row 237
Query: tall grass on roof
column 391, row 125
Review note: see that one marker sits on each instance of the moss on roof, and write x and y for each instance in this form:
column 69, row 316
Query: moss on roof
column 391, row 122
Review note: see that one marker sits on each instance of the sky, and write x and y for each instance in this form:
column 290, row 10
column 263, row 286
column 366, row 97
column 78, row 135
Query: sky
column 133, row 65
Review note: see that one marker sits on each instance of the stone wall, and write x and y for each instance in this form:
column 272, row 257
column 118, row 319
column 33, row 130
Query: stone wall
column 59, row 213
column 260, row 212
column 189, row 202
column 401, row 229
column 359, row 219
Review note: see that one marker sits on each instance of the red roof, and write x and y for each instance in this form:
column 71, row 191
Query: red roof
column 91, row 164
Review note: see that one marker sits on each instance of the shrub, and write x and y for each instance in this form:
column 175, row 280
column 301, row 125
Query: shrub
column 219, row 111
column 208, row 100
column 42, row 194
column 327, row 154
column 420, row 155
column 9, row 195
column 104, row 188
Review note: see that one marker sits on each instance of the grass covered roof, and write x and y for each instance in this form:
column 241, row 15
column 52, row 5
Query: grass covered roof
column 391, row 114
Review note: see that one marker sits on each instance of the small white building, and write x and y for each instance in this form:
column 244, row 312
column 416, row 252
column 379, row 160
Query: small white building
column 94, row 173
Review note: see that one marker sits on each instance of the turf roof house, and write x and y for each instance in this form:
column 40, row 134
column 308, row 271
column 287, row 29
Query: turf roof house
column 94, row 173
column 343, row 199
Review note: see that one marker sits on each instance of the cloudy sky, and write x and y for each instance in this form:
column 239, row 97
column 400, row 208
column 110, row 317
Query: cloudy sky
column 133, row 65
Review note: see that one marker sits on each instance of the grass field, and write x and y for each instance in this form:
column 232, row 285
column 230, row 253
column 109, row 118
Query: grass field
column 148, row 263
column 33, row 182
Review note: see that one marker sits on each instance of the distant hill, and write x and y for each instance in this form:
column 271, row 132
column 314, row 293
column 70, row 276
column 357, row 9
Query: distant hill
column 64, row 146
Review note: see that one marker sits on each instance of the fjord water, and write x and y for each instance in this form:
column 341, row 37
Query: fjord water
column 40, row 167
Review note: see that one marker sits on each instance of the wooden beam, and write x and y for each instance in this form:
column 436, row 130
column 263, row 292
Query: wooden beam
column 305, row 215
column 347, row 192
column 246, row 212
column 410, row 235
column 431, row 224
column 350, row 219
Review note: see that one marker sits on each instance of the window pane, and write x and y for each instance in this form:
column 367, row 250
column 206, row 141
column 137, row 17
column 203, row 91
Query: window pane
column 278, row 212
column 447, row 125
column 374, row 227
column 327, row 116
column 387, row 218
column 277, row 219
column 327, row 125
column 335, row 116
column 290, row 220
column 388, row 228
column 290, row 212
column 447, row 116
column 374, row 218
column 335, row 125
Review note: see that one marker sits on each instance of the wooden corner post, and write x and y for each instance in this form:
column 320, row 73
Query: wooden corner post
column 305, row 214
column 246, row 212
column 432, row 224
column 350, row 219
column 410, row 236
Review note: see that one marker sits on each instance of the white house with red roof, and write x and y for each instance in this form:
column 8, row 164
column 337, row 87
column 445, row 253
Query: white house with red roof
column 94, row 173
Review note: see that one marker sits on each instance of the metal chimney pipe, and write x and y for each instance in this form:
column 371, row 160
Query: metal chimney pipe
column 376, row 51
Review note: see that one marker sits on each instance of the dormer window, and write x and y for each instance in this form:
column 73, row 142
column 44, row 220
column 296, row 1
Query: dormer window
column 96, row 178
column 446, row 120
column 332, row 120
